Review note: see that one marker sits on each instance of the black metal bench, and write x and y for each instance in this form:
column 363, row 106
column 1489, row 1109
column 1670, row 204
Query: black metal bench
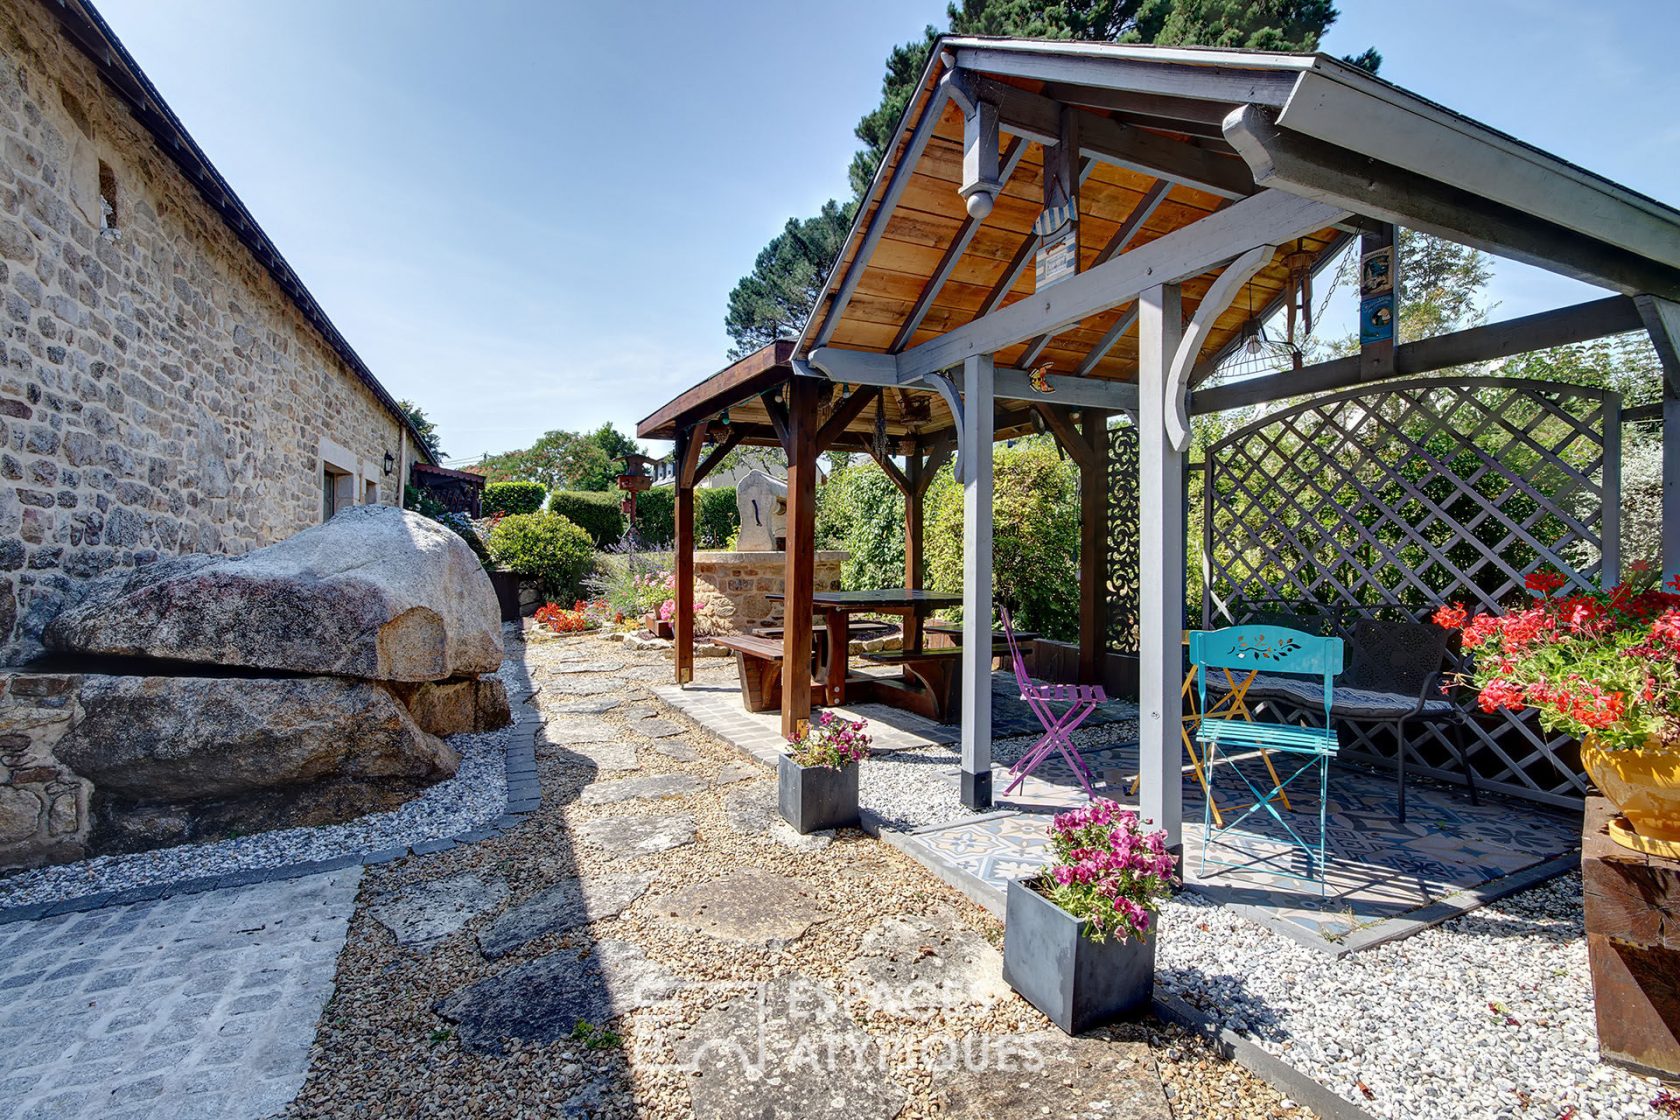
column 1393, row 678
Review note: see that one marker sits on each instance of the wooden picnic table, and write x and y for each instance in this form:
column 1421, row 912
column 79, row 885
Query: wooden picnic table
column 837, row 607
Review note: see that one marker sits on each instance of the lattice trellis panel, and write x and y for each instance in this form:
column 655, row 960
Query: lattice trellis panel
column 1123, row 538
column 1428, row 491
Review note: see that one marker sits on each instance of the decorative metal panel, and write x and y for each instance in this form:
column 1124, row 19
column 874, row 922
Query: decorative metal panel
column 1417, row 493
column 1123, row 517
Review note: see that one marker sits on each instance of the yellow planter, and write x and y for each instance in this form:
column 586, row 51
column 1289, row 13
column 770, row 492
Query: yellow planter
column 1644, row 783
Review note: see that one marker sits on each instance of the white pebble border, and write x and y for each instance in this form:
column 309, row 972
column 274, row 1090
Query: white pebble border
column 1487, row 1016
column 915, row 789
column 472, row 798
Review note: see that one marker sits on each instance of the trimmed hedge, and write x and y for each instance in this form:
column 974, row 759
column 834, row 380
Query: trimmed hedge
column 656, row 516
column 548, row 546
column 594, row 511
column 716, row 517
column 513, row 497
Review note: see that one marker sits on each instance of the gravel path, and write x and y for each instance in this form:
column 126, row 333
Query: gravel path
column 474, row 796
column 917, row 788
column 1487, row 1016
column 383, row 1048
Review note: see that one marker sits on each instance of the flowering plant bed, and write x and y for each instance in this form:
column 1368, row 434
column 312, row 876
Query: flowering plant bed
column 583, row 617
column 817, row 779
column 1601, row 663
column 830, row 741
column 1108, row 871
column 1074, row 941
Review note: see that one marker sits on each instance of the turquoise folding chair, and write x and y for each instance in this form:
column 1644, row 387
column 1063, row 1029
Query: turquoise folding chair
column 1272, row 650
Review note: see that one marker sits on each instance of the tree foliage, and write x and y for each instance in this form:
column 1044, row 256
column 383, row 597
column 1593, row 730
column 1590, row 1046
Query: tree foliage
column 565, row 460
column 774, row 299
column 423, row 426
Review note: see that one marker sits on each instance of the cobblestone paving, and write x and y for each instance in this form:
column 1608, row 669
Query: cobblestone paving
column 202, row 1005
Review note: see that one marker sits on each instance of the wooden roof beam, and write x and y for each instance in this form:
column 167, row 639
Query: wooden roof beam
column 1140, row 214
column 1581, row 322
column 1171, row 111
column 954, row 251
column 1104, row 70
column 1315, row 169
column 863, row 368
column 1018, row 263
column 1039, row 118
column 1269, row 218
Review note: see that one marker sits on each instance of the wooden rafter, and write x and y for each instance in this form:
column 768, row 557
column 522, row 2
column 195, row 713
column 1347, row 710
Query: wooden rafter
column 1141, row 213
column 954, row 251
column 843, row 415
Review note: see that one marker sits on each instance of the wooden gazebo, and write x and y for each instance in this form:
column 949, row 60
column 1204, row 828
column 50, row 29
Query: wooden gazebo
column 760, row 401
column 1073, row 229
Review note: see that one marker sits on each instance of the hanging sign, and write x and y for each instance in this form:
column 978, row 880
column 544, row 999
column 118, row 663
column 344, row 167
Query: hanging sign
column 1376, row 272
column 1058, row 257
column 1376, row 319
column 1058, row 245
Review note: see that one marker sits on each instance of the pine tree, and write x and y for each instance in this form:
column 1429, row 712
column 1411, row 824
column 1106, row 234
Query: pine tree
column 775, row 298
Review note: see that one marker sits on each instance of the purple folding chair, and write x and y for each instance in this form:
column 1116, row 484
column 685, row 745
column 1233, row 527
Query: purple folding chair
column 1082, row 700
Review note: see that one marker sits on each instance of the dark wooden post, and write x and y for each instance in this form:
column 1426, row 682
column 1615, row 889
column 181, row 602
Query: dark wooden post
column 1093, row 548
column 800, row 573
column 914, row 518
column 688, row 455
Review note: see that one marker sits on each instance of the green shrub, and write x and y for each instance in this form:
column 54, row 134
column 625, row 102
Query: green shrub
column 596, row 511
column 656, row 516
column 513, row 497
column 717, row 519
column 545, row 545
column 861, row 511
column 1035, row 536
column 422, row 502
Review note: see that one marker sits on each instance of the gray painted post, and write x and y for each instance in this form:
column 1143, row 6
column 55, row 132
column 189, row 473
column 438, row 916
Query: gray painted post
column 1662, row 321
column 1160, row 565
column 1671, row 484
column 977, row 583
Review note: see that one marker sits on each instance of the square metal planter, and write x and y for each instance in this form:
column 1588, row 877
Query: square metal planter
column 813, row 798
column 1078, row 983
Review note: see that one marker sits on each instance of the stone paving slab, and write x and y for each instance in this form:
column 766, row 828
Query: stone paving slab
column 202, row 1005
column 653, row 786
column 750, row 906
column 628, row 837
column 561, row 907
column 786, row 1050
column 544, row 1000
column 431, row 910
column 1049, row 1074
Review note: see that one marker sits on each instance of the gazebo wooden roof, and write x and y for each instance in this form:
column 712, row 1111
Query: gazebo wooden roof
column 1060, row 231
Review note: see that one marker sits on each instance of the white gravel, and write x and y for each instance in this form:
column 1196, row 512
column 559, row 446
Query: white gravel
column 916, row 788
column 1488, row 1016
column 472, row 798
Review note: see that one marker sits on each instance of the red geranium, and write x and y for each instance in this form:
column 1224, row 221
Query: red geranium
column 1605, row 662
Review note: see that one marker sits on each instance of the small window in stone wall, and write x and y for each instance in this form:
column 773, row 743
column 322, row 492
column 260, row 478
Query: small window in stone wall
column 370, row 493
column 108, row 215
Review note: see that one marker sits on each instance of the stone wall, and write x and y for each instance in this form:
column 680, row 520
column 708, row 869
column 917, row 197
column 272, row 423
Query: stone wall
column 44, row 805
column 747, row 579
column 160, row 394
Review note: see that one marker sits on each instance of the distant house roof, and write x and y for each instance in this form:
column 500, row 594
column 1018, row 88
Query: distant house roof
column 88, row 30
column 471, row 478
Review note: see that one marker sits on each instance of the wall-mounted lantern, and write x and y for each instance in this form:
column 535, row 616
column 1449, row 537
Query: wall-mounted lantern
column 390, row 462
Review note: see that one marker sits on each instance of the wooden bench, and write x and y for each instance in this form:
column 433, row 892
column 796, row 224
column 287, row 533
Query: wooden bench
column 759, row 661
column 933, row 685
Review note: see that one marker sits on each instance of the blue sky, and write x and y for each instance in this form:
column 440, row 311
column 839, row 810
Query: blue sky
column 528, row 216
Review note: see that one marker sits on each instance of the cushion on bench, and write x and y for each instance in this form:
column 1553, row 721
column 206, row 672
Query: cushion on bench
column 1349, row 703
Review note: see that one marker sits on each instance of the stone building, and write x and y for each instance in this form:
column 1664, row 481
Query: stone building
column 169, row 385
